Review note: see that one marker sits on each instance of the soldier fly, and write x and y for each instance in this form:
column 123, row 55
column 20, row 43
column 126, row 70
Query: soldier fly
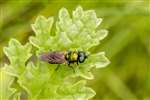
column 69, row 57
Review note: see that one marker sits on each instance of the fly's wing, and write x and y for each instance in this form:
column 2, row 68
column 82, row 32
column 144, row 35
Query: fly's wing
column 53, row 57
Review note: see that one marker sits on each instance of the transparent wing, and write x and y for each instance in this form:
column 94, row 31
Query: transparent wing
column 53, row 57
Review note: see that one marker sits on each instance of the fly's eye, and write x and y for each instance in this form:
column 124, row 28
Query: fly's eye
column 82, row 57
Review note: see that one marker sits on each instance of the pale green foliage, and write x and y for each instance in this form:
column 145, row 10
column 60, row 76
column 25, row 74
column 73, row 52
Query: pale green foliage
column 40, row 79
column 5, row 82
column 18, row 54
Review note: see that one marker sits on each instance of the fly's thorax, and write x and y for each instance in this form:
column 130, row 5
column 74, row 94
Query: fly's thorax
column 71, row 56
column 74, row 56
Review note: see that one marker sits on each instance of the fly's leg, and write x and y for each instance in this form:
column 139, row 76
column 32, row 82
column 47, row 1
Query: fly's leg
column 57, row 67
column 71, row 67
column 77, row 66
column 77, row 63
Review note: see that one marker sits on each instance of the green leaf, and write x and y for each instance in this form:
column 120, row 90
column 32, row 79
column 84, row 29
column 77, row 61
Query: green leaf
column 42, row 28
column 80, row 29
column 33, row 79
column 10, row 70
column 5, row 85
column 77, row 91
column 18, row 54
column 99, row 60
column 67, row 91
column 71, row 32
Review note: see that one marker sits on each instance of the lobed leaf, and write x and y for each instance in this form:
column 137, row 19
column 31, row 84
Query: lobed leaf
column 17, row 54
column 42, row 28
column 33, row 79
column 77, row 91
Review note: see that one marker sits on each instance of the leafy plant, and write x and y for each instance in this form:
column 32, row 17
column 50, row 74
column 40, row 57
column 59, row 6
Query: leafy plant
column 35, row 80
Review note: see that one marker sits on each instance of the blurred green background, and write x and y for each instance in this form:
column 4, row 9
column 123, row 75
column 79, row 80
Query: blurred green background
column 127, row 45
